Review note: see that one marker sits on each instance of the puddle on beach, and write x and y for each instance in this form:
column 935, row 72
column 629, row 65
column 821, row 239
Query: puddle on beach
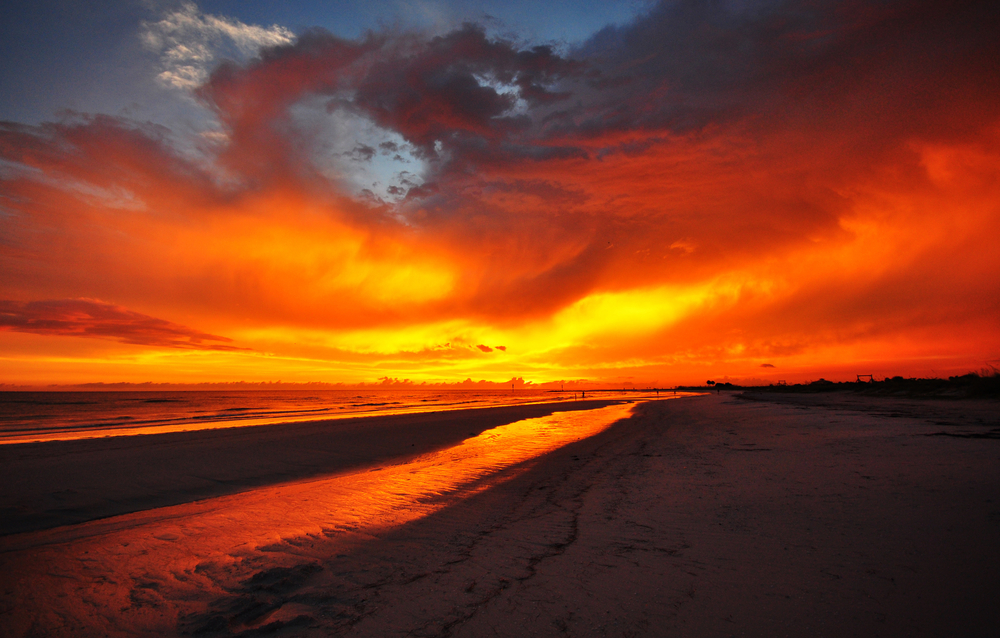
column 144, row 572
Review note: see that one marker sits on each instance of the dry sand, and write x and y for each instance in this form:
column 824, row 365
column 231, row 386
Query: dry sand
column 705, row 516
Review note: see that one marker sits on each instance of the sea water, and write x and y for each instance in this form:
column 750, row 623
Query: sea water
column 40, row 416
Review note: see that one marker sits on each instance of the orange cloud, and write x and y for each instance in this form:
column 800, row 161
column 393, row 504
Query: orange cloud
column 699, row 191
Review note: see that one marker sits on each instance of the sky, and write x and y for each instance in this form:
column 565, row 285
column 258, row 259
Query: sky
column 645, row 193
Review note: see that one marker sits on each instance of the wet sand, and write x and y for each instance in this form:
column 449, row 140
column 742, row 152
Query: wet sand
column 704, row 516
column 67, row 482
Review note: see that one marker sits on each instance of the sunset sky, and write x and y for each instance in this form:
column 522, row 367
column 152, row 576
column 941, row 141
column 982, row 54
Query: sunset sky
column 630, row 192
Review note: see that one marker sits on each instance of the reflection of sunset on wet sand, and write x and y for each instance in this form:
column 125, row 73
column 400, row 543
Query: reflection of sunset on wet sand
column 67, row 416
column 144, row 572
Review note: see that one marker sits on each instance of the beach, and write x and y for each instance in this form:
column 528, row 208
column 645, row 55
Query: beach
column 713, row 515
column 65, row 482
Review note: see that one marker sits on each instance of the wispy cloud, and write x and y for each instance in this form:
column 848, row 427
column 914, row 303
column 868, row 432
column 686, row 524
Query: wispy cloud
column 94, row 318
column 190, row 43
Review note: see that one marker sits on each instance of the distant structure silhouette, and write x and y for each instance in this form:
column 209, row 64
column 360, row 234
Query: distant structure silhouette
column 866, row 378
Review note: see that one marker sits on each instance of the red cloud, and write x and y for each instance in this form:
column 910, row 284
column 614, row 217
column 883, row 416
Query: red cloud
column 842, row 156
column 93, row 318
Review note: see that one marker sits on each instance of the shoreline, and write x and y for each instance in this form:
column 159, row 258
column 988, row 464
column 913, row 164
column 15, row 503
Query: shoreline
column 56, row 483
column 195, row 423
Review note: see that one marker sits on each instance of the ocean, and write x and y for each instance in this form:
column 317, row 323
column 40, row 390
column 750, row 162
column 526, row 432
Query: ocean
column 42, row 416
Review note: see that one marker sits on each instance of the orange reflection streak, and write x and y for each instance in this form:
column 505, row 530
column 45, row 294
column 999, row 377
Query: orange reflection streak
column 220, row 422
column 181, row 557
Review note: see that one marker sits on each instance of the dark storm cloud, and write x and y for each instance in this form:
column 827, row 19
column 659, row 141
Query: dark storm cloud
column 883, row 68
column 688, row 64
column 461, row 91
column 460, row 84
